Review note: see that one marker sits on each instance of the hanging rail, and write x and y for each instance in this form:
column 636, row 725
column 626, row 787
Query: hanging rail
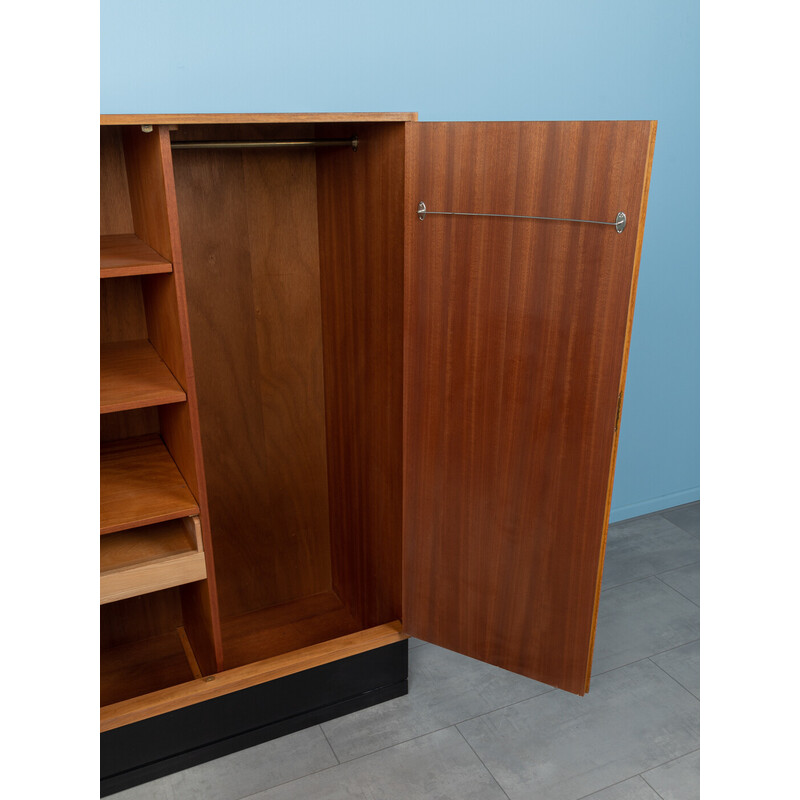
column 210, row 145
column 619, row 223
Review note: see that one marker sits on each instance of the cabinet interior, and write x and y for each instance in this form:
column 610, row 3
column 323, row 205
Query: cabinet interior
column 292, row 262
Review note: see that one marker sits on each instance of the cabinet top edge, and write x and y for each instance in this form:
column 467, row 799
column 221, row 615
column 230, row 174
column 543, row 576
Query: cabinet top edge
column 210, row 119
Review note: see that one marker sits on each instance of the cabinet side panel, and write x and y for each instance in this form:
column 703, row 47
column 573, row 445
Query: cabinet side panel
column 360, row 196
column 515, row 337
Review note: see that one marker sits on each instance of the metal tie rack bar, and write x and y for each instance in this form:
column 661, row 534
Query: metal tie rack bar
column 263, row 144
column 619, row 223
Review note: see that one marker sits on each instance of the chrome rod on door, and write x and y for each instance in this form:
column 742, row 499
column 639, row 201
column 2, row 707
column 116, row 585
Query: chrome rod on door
column 619, row 223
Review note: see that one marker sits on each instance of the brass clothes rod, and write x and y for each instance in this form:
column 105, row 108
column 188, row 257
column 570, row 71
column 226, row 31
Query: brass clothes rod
column 619, row 223
column 210, row 145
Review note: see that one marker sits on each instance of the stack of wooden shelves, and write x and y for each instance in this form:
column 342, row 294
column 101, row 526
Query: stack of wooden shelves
column 158, row 614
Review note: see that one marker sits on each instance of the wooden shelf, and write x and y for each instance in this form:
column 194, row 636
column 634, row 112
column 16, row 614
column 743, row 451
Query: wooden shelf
column 124, row 254
column 140, row 485
column 132, row 375
column 151, row 558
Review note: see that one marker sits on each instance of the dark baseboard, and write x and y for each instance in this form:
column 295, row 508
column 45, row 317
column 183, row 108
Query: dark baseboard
column 177, row 740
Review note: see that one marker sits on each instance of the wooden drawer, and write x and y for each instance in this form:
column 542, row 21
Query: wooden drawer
column 153, row 557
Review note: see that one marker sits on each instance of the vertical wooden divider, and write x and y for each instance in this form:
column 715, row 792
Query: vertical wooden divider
column 148, row 158
column 361, row 225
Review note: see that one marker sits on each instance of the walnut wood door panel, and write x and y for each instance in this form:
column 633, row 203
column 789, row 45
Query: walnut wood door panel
column 516, row 335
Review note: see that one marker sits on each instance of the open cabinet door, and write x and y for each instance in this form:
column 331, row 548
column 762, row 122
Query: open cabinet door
column 516, row 342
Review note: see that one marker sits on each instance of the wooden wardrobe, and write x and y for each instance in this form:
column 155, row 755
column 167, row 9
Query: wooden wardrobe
column 361, row 378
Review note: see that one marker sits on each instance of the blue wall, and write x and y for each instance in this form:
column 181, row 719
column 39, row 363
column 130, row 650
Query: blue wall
column 572, row 59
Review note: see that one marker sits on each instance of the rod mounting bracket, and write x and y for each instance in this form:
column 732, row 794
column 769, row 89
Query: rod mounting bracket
column 421, row 210
column 621, row 222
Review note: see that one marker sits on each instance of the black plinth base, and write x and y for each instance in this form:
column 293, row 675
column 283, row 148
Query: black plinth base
column 159, row 746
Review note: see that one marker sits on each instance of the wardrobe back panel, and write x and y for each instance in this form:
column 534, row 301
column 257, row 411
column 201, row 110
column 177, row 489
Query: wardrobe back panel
column 115, row 204
column 138, row 618
column 251, row 261
column 127, row 424
column 122, row 315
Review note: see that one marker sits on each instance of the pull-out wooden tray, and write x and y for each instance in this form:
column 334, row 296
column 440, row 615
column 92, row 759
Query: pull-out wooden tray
column 150, row 558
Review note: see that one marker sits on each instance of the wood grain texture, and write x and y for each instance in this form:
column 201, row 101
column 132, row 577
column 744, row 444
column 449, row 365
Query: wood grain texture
column 159, row 294
column 515, row 333
column 175, row 426
column 139, row 618
column 144, row 163
column 173, row 570
column 128, row 424
column 147, row 158
column 360, row 200
column 143, row 545
column 140, row 485
column 122, row 315
column 208, row 119
column 190, row 656
column 115, row 204
column 125, row 254
column 144, row 666
column 149, row 559
column 248, row 224
column 186, row 694
column 168, row 326
column 132, row 375
column 286, row 627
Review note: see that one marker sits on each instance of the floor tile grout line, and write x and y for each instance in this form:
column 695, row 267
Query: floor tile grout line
column 637, row 775
column 647, row 577
column 659, row 578
column 646, row 658
column 450, row 725
column 653, row 788
column 365, row 755
column 670, row 649
column 291, row 780
column 677, row 758
column 631, row 521
column 696, row 534
column 466, row 741
column 675, row 569
column 611, row 786
column 390, row 746
column 335, row 754
column 675, row 679
column 659, row 513
column 658, row 766
column 507, row 705
column 674, row 509
column 658, row 794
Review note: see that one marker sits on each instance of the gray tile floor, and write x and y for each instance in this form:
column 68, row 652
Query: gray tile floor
column 468, row 730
